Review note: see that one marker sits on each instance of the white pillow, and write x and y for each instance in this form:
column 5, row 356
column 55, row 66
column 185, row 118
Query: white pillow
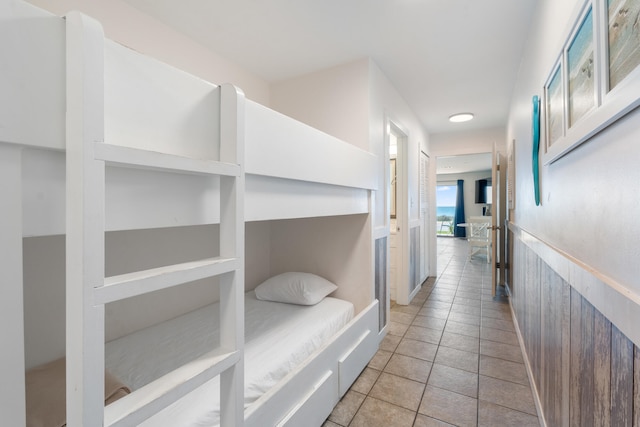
column 295, row 288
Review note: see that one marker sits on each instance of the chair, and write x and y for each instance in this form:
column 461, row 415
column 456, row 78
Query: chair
column 446, row 225
column 479, row 235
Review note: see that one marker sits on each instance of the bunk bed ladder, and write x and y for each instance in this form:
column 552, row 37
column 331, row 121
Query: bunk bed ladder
column 88, row 290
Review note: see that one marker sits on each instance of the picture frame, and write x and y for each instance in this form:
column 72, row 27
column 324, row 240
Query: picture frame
column 602, row 30
column 581, row 74
column 554, row 106
column 623, row 39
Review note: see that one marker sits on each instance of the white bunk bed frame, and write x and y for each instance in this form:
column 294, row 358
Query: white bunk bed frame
column 302, row 188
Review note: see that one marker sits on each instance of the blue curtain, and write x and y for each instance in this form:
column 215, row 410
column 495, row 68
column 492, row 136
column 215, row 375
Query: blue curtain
column 459, row 214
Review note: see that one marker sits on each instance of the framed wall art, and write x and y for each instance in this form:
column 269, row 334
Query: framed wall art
column 581, row 76
column 554, row 103
column 596, row 79
column 623, row 39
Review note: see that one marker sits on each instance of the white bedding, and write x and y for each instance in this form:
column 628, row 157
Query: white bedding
column 278, row 337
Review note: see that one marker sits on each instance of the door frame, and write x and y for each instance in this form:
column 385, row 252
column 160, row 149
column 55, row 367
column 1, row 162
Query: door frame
column 402, row 210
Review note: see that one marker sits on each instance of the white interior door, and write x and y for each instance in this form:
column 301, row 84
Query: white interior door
column 393, row 225
column 424, row 216
column 498, row 226
column 399, row 221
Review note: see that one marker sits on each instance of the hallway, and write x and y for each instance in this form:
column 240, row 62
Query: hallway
column 451, row 357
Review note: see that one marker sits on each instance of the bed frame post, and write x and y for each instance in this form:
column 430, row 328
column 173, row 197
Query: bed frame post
column 232, row 107
column 85, row 222
column 12, row 395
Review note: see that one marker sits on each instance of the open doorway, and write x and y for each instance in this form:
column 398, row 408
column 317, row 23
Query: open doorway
column 481, row 179
column 463, row 184
column 395, row 251
column 463, row 205
column 400, row 284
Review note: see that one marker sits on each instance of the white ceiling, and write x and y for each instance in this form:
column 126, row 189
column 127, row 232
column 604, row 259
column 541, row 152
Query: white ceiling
column 443, row 56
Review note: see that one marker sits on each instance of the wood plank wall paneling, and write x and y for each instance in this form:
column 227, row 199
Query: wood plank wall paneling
column 576, row 363
column 566, row 350
column 586, row 355
column 551, row 379
column 414, row 260
column 381, row 280
column 530, row 316
column 621, row 379
column 587, row 372
column 636, row 387
column 602, row 368
column 512, row 253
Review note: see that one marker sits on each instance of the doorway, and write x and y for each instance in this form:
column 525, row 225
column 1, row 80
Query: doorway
column 400, row 288
column 474, row 170
column 482, row 177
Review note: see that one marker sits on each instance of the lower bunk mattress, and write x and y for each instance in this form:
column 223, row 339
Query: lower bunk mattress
column 278, row 338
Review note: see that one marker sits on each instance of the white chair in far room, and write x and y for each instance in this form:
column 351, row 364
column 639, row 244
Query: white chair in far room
column 479, row 237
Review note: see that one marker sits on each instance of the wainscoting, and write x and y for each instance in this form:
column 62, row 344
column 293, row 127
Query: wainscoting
column 381, row 279
column 414, row 260
column 586, row 371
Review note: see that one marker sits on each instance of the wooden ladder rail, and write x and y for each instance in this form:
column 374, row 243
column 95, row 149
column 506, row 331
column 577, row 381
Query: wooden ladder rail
column 87, row 290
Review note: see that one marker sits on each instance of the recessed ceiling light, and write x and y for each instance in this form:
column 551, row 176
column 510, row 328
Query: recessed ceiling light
column 461, row 117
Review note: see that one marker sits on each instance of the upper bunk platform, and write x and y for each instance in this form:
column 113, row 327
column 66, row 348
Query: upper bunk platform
column 292, row 170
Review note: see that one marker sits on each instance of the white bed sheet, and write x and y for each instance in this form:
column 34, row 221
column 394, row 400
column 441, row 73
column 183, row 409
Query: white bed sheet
column 278, row 337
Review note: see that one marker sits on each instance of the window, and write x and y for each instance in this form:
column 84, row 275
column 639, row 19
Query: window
column 445, row 208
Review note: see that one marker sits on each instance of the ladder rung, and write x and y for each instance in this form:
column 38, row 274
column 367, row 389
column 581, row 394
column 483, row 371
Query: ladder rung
column 150, row 399
column 141, row 282
column 127, row 156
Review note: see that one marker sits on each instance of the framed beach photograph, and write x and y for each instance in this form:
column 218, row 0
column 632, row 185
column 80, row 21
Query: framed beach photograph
column 624, row 39
column 596, row 79
column 554, row 106
column 580, row 67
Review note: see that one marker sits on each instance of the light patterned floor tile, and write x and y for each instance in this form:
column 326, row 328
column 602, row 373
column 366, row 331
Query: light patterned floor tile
column 398, row 391
column 449, row 407
column 378, row 413
column 459, row 340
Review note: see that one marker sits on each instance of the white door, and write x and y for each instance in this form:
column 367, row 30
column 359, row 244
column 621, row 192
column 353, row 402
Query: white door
column 498, row 224
column 399, row 221
column 424, row 216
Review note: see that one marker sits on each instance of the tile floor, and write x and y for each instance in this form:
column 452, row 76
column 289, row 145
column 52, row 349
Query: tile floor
column 451, row 357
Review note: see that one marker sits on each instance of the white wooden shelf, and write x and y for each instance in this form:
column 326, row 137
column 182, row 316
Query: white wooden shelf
column 128, row 285
column 116, row 155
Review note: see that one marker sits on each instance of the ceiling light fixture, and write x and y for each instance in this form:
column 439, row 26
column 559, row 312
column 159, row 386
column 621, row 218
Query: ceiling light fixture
column 461, row 117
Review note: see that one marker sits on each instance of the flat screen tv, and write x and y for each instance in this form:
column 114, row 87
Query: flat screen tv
column 481, row 190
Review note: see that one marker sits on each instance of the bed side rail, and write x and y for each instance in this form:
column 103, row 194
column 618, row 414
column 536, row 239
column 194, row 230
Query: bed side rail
column 307, row 395
column 281, row 147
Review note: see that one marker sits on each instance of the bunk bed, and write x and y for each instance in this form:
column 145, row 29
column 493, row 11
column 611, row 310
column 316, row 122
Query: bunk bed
column 101, row 139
